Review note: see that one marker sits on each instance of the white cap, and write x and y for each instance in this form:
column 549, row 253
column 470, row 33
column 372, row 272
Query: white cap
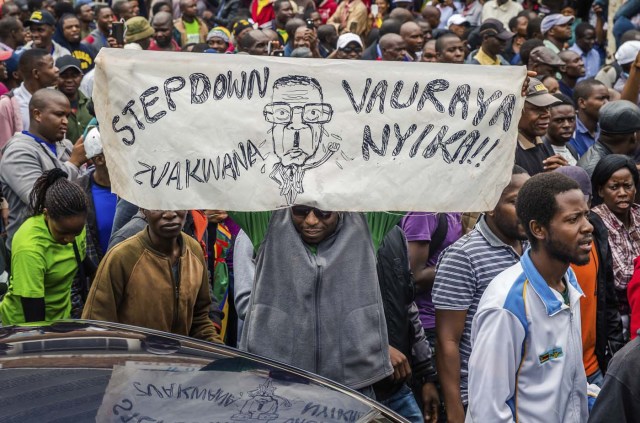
column 93, row 143
column 132, row 46
column 627, row 52
column 347, row 38
column 457, row 19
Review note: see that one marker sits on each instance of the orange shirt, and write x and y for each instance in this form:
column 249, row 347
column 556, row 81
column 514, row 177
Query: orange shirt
column 587, row 276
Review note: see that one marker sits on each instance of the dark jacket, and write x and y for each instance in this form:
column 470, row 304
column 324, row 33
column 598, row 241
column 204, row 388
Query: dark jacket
column 82, row 52
column 371, row 52
column 397, row 289
column 618, row 399
column 78, row 120
column 609, row 337
column 590, row 159
column 227, row 13
column 571, row 148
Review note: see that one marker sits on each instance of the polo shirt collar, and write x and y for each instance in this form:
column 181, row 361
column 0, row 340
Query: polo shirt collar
column 485, row 59
column 552, row 304
column 525, row 144
column 488, row 235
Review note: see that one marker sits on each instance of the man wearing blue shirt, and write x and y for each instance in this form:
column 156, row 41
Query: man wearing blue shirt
column 102, row 202
column 585, row 47
column 589, row 96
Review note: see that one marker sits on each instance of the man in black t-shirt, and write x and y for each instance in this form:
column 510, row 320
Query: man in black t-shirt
column 531, row 152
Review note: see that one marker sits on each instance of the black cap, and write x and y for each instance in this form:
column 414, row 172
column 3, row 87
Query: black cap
column 66, row 62
column 619, row 117
column 41, row 17
column 495, row 27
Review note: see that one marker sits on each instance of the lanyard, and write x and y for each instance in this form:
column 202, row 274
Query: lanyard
column 46, row 143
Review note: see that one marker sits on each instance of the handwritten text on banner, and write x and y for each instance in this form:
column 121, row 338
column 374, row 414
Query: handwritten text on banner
column 238, row 132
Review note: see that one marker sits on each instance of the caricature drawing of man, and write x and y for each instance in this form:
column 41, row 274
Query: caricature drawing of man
column 297, row 114
column 262, row 404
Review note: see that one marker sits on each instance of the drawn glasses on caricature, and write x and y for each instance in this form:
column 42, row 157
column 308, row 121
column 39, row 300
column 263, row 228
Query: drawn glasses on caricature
column 282, row 113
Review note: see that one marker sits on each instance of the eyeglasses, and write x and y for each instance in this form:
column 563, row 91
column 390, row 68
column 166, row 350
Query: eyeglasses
column 303, row 211
column 282, row 113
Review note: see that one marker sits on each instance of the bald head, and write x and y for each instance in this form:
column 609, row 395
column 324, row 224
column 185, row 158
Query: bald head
column 568, row 55
column 48, row 112
column 574, row 66
column 188, row 8
column 44, row 97
column 400, row 14
column 271, row 34
column 389, row 39
column 431, row 14
column 409, row 27
column 254, row 42
column 393, row 47
column 161, row 18
column 413, row 36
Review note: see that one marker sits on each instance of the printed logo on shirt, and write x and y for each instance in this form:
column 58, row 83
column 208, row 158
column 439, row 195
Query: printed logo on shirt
column 84, row 58
column 552, row 354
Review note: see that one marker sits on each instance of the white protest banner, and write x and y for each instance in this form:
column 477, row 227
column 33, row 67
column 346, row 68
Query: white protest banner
column 238, row 132
column 221, row 396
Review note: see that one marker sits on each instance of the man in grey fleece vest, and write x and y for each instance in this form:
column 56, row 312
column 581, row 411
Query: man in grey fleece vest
column 316, row 302
column 29, row 153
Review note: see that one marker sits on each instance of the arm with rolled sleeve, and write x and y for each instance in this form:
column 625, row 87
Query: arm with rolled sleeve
column 497, row 337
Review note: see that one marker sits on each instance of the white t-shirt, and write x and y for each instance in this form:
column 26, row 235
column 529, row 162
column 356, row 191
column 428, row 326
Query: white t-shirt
column 24, row 97
column 564, row 152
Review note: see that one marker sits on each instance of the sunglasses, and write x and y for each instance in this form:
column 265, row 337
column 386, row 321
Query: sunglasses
column 303, row 211
column 351, row 49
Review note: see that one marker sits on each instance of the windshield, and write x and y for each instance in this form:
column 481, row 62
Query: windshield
column 119, row 376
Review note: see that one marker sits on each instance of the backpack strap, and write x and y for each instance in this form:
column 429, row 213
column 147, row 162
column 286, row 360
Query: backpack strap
column 617, row 67
column 439, row 234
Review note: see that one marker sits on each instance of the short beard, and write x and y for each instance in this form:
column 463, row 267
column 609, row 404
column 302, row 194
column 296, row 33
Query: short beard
column 558, row 251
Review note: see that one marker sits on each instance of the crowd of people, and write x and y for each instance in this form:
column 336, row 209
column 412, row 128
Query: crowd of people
column 528, row 311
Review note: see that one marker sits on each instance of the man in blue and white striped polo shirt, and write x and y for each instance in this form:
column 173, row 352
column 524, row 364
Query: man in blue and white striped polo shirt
column 464, row 271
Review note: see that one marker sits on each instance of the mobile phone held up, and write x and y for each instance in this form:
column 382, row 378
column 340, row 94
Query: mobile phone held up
column 310, row 24
column 117, row 32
